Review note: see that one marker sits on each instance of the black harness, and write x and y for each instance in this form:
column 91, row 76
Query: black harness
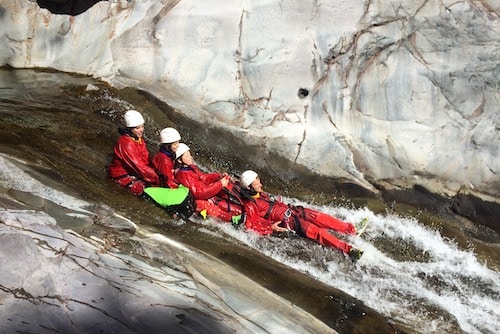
column 293, row 213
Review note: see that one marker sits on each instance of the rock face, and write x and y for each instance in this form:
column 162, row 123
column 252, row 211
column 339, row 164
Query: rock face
column 402, row 92
column 56, row 280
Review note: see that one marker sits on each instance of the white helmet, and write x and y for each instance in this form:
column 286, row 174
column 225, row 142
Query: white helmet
column 247, row 177
column 181, row 149
column 133, row 118
column 169, row 135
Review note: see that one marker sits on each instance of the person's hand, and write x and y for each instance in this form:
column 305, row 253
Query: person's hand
column 224, row 181
column 227, row 176
column 276, row 228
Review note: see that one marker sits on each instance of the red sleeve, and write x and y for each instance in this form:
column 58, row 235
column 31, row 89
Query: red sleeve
column 254, row 222
column 210, row 177
column 135, row 156
column 192, row 180
column 165, row 166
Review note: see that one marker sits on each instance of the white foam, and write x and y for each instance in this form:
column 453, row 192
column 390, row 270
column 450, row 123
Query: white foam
column 399, row 289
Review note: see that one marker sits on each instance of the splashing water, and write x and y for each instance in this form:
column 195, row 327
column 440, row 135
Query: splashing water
column 445, row 288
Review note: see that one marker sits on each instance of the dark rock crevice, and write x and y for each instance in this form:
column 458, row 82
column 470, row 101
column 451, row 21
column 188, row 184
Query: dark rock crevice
column 67, row 7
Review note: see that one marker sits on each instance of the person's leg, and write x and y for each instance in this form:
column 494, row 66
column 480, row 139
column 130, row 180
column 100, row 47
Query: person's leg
column 322, row 236
column 213, row 210
column 323, row 220
column 135, row 185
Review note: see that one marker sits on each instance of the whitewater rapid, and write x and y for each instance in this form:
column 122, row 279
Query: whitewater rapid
column 450, row 285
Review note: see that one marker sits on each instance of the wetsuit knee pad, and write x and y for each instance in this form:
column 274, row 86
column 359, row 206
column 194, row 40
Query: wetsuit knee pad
column 312, row 232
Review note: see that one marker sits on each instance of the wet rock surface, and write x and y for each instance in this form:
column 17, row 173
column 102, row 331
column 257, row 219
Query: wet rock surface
column 65, row 133
column 61, row 281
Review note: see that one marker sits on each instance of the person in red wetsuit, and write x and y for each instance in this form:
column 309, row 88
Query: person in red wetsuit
column 266, row 215
column 130, row 165
column 208, row 189
column 164, row 159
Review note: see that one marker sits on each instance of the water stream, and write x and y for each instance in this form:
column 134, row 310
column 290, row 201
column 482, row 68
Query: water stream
column 411, row 273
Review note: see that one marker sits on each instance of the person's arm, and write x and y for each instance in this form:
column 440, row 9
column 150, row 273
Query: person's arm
column 274, row 216
column 254, row 222
column 165, row 166
column 190, row 179
column 132, row 156
column 202, row 191
column 210, row 177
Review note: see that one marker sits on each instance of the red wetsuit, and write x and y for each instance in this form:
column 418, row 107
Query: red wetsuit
column 130, row 165
column 206, row 189
column 163, row 162
column 261, row 212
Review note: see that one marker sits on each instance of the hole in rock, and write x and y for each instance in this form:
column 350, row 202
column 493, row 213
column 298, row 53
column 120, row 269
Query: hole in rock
column 302, row 93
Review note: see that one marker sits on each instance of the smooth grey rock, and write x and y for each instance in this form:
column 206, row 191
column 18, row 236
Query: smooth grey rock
column 54, row 280
column 401, row 92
